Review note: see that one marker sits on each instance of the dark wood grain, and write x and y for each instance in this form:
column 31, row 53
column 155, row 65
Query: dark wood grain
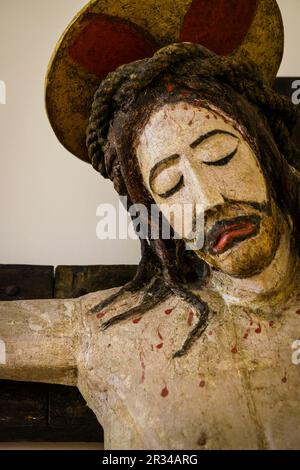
column 22, row 282
column 42, row 412
column 75, row 281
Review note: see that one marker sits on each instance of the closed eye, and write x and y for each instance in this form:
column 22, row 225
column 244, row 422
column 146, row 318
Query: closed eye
column 216, row 147
column 174, row 190
column 222, row 161
column 165, row 177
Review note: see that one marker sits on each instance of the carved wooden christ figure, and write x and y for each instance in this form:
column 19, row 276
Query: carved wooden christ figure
column 189, row 138
column 196, row 352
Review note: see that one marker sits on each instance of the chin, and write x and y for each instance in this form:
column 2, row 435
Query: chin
column 246, row 258
column 253, row 255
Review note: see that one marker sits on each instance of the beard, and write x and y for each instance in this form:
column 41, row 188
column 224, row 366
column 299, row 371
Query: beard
column 241, row 238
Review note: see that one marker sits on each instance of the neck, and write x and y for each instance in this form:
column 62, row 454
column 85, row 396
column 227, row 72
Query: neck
column 268, row 289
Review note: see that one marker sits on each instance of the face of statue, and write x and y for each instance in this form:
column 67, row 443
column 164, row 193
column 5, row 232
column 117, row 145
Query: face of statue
column 200, row 157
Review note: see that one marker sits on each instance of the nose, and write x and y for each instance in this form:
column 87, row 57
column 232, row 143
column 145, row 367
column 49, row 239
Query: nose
column 205, row 190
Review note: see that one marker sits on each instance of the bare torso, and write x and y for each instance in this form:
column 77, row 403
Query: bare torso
column 237, row 388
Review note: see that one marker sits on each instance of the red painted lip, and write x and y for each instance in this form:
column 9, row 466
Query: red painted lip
column 230, row 233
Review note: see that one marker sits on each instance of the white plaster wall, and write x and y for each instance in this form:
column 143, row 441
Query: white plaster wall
column 48, row 198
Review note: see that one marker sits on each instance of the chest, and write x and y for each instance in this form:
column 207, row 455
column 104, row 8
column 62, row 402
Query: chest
column 237, row 388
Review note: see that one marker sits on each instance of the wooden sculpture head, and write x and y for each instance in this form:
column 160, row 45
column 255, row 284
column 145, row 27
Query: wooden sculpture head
column 203, row 131
column 187, row 127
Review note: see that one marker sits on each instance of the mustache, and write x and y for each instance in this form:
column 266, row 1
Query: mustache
column 212, row 214
column 262, row 207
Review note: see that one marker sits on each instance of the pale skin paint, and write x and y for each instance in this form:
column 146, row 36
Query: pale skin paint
column 210, row 164
column 238, row 386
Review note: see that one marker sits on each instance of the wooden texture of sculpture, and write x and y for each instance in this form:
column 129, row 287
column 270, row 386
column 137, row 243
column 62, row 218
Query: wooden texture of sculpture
column 196, row 351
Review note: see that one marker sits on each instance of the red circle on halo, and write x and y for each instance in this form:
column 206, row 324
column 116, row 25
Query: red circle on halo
column 106, row 42
column 219, row 25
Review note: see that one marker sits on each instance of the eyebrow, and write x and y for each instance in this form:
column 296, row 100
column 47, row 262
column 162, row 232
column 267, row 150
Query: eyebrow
column 154, row 170
column 210, row 134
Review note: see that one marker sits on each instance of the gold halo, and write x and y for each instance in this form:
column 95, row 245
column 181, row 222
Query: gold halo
column 70, row 88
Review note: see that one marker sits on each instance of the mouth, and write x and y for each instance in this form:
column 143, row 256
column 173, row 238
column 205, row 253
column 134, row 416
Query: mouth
column 227, row 233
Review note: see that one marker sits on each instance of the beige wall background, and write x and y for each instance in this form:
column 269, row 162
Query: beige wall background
column 48, row 198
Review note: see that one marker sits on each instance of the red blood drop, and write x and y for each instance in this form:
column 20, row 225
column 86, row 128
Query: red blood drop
column 170, row 87
column 246, row 333
column 190, row 318
column 219, row 25
column 106, row 42
column 234, row 350
column 258, row 329
column 169, row 311
column 136, row 320
column 210, row 333
column 202, row 383
column 165, row 392
column 271, row 324
column 159, row 346
column 101, row 315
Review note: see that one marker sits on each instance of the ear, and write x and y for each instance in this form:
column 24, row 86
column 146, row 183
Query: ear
column 105, row 42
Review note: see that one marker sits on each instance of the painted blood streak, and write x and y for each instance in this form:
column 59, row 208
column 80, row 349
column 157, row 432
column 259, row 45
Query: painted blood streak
column 251, row 323
column 190, row 318
column 246, row 333
column 284, row 379
column 142, row 361
column 250, row 318
column 160, row 345
column 159, row 334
